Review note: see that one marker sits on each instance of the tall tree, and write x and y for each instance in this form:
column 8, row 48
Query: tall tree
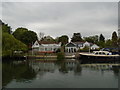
column 41, row 35
column 47, row 38
column 5, row 28
column 26, row 36
column 29, row 37
column 10, row 44
column 108, row 43
column 57, row 39
column 114, row 39
column 92, row 39
column 101, row 42
column 18, row 33
column 76, row 37
column 101, row 38
column 63, row 39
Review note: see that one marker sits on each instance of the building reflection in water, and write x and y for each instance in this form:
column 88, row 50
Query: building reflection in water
column 26, row 71
column 75, row 66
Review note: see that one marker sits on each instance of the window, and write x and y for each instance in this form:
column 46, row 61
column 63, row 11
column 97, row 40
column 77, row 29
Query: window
column 36, row 44
column 80, row 45
column 96, row 53
column 103, row 53
column 100, row 53
column 74, row 50
column 54, row 49
column 45, row 49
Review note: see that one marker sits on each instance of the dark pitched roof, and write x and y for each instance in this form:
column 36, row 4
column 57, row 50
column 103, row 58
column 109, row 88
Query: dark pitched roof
column 77, row 44
column 71, row 44
column 47, row 42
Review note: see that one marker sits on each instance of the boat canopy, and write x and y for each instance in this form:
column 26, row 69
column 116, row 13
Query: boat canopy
column 102, row 52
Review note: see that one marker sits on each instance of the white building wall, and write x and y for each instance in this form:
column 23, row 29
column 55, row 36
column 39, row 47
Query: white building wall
column 86, row 44
column 35, row 45
column 49, row 47
column 45, row 47
column 94, row 47
column 71, row 49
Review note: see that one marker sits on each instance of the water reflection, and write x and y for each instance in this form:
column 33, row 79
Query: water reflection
column 27, row 71
column 19, row 70
column 68, row 66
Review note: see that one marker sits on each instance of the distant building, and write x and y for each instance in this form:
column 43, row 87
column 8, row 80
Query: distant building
column 74, row 46
column 46, row 46
column 71, row 47
column 94, row 46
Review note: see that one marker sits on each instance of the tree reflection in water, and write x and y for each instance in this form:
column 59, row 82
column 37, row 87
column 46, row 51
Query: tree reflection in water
column 26, row 71
column 62, row 67
column 18, row 70
column 67, row 66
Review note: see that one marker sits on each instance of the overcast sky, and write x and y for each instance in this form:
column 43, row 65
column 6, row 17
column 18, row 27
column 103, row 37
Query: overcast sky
column 63, row 18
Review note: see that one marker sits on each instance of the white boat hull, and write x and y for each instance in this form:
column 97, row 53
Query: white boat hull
column 98, row 57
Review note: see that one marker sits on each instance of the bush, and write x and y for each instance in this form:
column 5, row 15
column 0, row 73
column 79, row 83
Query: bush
column 85, row 49
column 58, row 50
column 10, row 44
column 60, row 56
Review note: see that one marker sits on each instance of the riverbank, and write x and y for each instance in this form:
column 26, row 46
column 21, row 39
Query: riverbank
column 49, row 57
column 41, row 57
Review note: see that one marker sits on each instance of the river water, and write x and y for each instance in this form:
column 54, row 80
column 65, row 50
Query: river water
column 63, row 74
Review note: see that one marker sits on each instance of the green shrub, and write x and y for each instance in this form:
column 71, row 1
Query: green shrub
column 11, row 44
column 60, row 56
column 85, row 49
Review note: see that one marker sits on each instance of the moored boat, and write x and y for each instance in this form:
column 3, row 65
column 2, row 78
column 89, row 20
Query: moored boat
column 99, row 55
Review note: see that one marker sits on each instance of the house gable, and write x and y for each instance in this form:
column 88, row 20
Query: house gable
column 35, row 45
column 70, row 44
column 94, row 46
column 86, row 44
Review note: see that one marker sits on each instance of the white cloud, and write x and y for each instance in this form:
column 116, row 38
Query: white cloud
column 56, row 19
column 60, row 0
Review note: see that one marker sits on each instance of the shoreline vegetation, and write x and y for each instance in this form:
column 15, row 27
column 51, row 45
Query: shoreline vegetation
column 19, row 42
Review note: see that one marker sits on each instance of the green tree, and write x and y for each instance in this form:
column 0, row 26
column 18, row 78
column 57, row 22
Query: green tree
column 76, row 37
column 29, row 37
column 85, row 49
column 0, row 38
column 18, row 33
column 92, row 39
column 101, row 38
column 60, row 56
column 108, row 43
column 114, row 39
column 57, row 39
column 5, row 27
column 101, row 42
column 26, row 36
column 19, row 71
column 47, row 38
column 10, row 44
column 63, row 39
